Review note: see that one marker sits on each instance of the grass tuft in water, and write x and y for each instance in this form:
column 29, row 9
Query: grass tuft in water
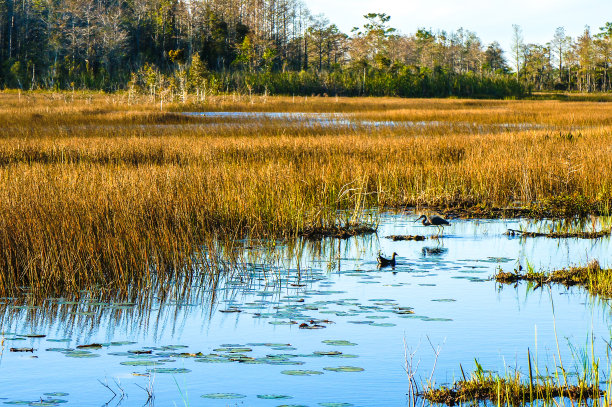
column 514, row 389
column 593, row 278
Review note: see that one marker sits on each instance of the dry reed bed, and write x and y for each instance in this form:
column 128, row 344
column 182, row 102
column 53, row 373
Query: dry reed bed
column 49, row 108
column 115, row 203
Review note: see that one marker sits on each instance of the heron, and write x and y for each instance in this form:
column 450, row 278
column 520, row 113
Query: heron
column 382, row 262
column 435, row 220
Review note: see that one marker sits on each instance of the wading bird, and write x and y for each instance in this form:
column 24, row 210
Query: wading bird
column 435, row 220
column 382, row 262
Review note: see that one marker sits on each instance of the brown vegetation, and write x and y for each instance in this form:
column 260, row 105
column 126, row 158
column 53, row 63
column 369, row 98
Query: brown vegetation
column 94, row 191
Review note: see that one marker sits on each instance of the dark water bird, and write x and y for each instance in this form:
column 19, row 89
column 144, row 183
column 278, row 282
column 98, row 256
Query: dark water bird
column 382, row 262
column 435, row 220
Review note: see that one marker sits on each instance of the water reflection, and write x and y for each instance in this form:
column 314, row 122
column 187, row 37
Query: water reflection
column 351, row 120
column 258, row 326
column 437, row 251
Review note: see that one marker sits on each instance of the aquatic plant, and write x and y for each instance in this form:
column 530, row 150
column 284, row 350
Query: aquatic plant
column 514, row 389
column 592, row 277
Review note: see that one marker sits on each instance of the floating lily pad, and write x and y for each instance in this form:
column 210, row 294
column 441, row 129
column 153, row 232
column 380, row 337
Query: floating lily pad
column 212, row 359
column 174, row 347
column 81, row 354
column 283, row 348
column 171, row 370
column 56, row 394
column 233, row 350
column 141, row 363
column 444, row 300
column 48, row 402
column 122, row 343
column 328, row 353
column 224, row 396
column 344, row 369
column 336, row 404
column 384, row 324
column 283, row 362
column 338, row 342
column 273, row 397
column 58, row 340
column 301, row 372
column 90, row 346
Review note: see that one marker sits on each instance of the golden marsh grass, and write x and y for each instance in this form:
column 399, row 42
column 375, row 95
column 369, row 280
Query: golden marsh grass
column 108, row 190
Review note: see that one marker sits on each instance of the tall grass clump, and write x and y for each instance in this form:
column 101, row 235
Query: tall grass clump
column 592, row 277
column 549, row 388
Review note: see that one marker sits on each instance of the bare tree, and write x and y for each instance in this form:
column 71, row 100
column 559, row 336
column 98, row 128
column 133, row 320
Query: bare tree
column 517, row 47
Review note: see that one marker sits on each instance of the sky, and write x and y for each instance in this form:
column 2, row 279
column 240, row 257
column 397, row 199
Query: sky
column 491, row 20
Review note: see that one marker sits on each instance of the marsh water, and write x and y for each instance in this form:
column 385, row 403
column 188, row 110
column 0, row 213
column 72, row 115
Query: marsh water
column 241, row 342
column 302, row 119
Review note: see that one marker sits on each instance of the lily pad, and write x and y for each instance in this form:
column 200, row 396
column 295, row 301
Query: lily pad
column 301, row 372
column 338, row 342
column 81, row 354
column 213, row 359
column 171, row 370
column 141, row 363
column 336, row 404
column 273, row 397
column 174, row 347
column 344, row 369
column 48, row 402
column 328, row 353
column 233, row 350
column 224, row 396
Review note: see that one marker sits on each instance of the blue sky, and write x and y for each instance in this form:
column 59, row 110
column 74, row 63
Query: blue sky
column 492, row 20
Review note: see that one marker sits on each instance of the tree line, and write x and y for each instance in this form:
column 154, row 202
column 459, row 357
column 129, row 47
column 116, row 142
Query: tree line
column 275, row 47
